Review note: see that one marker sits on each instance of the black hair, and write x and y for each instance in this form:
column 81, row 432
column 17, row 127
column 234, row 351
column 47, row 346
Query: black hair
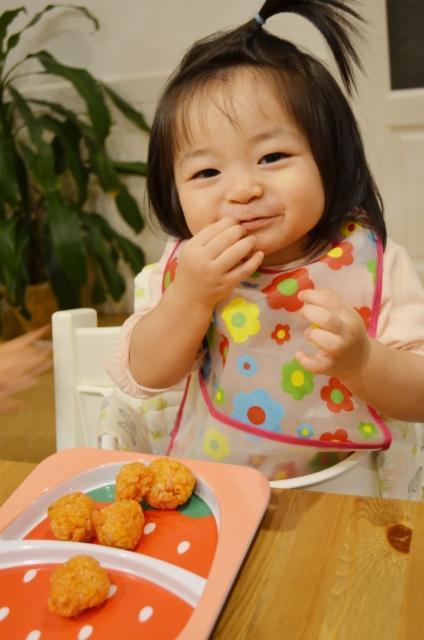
column 309, row 92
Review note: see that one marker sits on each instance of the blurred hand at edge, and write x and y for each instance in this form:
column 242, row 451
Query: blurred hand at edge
column 22, row 361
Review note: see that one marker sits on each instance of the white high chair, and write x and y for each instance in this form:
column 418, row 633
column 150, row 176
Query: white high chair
column 80, row 351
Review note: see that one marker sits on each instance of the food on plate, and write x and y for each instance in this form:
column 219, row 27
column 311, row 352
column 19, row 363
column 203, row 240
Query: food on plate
column 133, row 481
column 120, row 524
column 164, row 484
column 71, row 517
column 173, row 484
column 77, row 585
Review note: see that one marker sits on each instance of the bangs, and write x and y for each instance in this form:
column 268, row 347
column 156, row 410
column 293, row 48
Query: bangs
column 189, row 108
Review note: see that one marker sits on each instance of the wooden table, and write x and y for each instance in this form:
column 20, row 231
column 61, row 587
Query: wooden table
column 323, row 567
column 331, row 567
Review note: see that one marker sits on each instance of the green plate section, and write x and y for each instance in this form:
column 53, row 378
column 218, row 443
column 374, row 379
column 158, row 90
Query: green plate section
column 103, row 494
column 193, row 508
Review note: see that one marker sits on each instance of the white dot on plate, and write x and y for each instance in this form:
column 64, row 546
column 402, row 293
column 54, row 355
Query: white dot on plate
column 112, row 590
column 34, row 635
column 85, row 632
column 145, row 614
column 4, row 612
column 183, row 546
column 150, row 526
column 30, row 575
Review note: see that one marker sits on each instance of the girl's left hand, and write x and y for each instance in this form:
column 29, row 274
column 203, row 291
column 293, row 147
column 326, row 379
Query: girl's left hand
column 339, row 333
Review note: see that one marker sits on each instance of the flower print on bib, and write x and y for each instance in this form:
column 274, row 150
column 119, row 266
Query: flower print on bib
column 254, row 403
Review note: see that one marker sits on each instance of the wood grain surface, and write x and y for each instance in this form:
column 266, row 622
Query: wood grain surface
column 330, row 567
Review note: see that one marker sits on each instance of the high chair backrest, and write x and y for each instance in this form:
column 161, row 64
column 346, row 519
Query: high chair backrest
column 80, row 351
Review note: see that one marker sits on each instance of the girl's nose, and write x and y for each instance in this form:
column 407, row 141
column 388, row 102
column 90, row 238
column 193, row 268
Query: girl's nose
column 243, row 190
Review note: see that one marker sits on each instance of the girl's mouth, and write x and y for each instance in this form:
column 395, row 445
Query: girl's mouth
column 257, row 223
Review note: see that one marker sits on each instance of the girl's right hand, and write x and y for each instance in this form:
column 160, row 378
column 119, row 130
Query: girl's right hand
column 214, row 261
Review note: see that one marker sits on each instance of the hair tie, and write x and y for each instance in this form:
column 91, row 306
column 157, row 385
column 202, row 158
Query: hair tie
column 260, row 21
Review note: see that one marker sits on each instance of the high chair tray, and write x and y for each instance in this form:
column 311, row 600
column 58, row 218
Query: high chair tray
column 173, row 585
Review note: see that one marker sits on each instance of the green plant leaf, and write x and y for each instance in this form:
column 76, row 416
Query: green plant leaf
column 105, row 171
column 79, row 8
column 85, row 129
column 23, row 182
column 67, row 238
column 15, row 37
column 31, row 122
column 130, row 168
column 102, row 166
column 41, row 168
column 68, row 136
column 39, row 159
column 86, row 86
column 6, row 18
column 59, row 156
column 129, row 209
column 131, row 253
column 42, row 143
column 13, row 183
column 13, row 246
column 98, row 292
column 68, row 295
column 136, row 117
column 102, row 250
column 9, row 186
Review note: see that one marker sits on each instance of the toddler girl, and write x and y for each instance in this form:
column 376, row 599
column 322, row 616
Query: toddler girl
column 280, row 320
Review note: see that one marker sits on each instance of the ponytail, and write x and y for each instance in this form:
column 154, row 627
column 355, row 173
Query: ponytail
column 333, row 18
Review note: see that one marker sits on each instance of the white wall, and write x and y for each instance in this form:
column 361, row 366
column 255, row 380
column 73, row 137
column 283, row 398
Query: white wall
column 136, row 37
column 138, row 44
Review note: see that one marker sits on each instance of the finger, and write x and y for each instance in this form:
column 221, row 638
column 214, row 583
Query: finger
column 9, row 406
column 28, row 358
column 246, row 268
column 323, row 318
column 224, row 240
column 30, row 361
column 20, row 384
column 235, row 254
column 41, row 332
column 40, row 367
column 318, row 364
column 327, row 341
column 16, row 344
column 325, row 298
column 206, row 234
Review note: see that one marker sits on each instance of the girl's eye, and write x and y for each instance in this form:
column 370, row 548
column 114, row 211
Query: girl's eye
column 273, row 157
column 206, row 173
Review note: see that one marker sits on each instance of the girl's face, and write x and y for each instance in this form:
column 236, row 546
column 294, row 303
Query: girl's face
column 247, row 159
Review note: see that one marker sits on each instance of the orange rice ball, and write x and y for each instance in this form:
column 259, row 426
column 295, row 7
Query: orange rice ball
column 120, row 524
column 133, row 481
column 79, row 584
column 70, row 517
column 173, row 484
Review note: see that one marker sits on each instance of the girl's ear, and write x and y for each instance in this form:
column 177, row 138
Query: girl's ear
column 337, row 23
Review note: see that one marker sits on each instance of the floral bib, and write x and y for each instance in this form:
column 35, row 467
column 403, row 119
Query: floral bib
column 253, row 403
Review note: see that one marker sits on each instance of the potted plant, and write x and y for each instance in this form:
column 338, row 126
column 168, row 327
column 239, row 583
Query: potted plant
column 50, row 157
